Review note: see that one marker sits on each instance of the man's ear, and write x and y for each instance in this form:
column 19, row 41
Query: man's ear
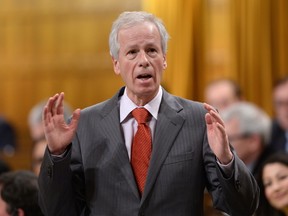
column 116, row 65
column 164, row 62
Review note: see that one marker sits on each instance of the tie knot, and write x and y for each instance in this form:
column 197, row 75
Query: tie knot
column 141, row 115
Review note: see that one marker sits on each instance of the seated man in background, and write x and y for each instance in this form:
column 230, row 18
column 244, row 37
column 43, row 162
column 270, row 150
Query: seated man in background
column 279, row 137
column 37, row 133
column 221, row 93
column 248, row 129
column 19, row 194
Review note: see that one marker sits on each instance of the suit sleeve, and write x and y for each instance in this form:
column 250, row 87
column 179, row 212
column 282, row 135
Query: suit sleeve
column 58, row 193
column 237, row 194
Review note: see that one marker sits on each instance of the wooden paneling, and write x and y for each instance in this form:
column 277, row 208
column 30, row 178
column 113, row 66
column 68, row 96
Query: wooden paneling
column 53, row 46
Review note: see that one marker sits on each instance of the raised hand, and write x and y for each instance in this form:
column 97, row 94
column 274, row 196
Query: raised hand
column 217, row 137
column 58, row 133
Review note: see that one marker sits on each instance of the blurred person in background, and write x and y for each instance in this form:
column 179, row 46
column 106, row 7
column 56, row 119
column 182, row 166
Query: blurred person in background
column 248, row 129
column 4, row 167
column 19, row 194
column 7, row 143
column 273, row 177
column 8, row 138
column 37, row 133
column 38, row 150
column 279, row 137
column 222, row 93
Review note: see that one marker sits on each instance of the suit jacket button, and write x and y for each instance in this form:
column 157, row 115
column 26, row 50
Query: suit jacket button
column 238, row 184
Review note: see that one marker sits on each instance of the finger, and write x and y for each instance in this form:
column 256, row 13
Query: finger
column 211, row 125
column 59, row 104
column 46, row 116
column 216, row 117
column 208, row 107
column 223, row 133
column 50, row 103
column 211, row 122
column 208, row 119
column 75, row 119
column 53, row 103
column 221, row 128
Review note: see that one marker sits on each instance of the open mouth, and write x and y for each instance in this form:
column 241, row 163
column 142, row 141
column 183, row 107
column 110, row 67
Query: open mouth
column 144, row 76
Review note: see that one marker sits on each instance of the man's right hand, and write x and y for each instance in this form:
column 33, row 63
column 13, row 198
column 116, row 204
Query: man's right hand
column 58, row 133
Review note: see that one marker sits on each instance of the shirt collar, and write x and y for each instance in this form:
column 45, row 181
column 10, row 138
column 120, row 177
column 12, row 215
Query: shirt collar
column 127, row 105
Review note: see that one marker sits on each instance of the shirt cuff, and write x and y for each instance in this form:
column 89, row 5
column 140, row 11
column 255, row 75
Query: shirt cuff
column 227, row 169
column 59, row 157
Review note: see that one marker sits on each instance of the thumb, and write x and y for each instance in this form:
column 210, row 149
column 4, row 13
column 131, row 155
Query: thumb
column 75, row 119
column 208, row 119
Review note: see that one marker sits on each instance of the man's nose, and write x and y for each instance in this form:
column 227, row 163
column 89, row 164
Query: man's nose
column 143, row 60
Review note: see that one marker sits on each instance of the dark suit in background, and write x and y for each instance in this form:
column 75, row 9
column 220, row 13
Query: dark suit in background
column 278, row 137
column 7, row 137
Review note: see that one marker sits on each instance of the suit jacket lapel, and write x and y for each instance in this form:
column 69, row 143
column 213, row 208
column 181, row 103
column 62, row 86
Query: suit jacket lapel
column 167, row 128
column 112, row 131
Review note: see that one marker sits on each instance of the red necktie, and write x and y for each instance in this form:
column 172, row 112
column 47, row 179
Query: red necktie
column 141, row 147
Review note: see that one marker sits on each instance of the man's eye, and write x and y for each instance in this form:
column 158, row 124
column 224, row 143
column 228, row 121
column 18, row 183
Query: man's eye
column 152, row 52
column 131, row 54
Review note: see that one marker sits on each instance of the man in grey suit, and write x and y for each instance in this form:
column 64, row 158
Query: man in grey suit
column 87, row 170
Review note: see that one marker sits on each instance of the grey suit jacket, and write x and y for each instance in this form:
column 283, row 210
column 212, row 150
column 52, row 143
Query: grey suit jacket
column 95, row 176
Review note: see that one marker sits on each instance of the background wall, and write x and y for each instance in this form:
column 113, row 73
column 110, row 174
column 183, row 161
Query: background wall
column 245, row 40
column 48, row 47
column 52, row 46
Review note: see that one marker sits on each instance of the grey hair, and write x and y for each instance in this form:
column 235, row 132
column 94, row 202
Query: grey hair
column 35, row 114
column 252, row 119
column 130, row 19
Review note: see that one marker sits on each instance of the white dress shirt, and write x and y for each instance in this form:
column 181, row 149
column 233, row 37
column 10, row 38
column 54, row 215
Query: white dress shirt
column 129, row 124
